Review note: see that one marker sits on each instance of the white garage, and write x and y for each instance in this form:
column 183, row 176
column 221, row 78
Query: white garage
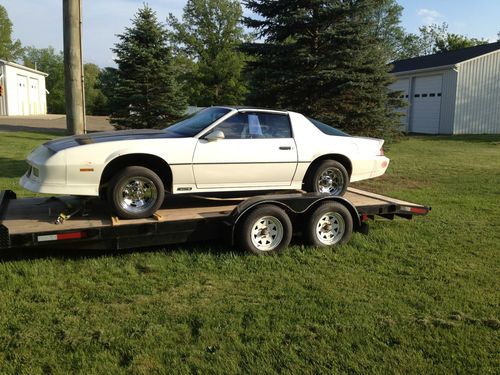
column 455, row 92
column 22, row 90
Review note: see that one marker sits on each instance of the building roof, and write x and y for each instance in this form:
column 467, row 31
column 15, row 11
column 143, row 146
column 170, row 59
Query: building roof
column 443, row 59
column 19, row 66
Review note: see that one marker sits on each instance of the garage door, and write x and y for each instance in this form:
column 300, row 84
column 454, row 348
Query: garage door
column 426, row 104
column 402, row 85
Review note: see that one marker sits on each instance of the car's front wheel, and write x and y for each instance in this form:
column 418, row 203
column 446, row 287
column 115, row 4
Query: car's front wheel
column 330, row 176
column 135, row 192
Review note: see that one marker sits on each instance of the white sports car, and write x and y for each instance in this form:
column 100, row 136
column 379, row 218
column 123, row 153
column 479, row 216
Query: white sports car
column 218, row 149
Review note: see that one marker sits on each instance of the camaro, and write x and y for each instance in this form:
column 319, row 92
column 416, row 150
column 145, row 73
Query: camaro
column 218, row 149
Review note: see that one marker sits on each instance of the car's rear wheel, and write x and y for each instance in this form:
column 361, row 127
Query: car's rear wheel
column 330, row 177
column 135, row 192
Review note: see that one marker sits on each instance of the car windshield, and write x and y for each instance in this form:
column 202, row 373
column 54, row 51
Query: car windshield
column 195, row 123
column 327, row 129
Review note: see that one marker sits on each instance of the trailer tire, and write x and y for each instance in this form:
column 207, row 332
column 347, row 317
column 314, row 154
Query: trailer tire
column 266, row 230
column 135, row 193
column 330, row 224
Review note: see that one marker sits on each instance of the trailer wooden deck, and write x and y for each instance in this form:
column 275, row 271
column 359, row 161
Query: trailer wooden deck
column 30, row 215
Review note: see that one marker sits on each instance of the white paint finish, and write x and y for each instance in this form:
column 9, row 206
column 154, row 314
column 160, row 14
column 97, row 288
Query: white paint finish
column 34, row 97
column 22, row 95
column 426, row 104
column 3, row 98
column 448, row 101
column 403, row 85
column 266, row 166
column 478, row 96
column 18, row 101
column 244, row 162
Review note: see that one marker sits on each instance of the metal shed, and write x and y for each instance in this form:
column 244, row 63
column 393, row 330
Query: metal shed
column 23, row 90
column 455, row 92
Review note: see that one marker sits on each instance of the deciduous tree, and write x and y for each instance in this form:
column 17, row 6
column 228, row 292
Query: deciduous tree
column 94, row 98
column 10, row 50
column 207, row 42
column 51, row 62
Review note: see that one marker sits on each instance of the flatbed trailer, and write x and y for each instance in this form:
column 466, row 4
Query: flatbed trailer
column 253, row 222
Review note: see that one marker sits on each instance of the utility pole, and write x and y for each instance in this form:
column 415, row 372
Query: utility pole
column 73, row 67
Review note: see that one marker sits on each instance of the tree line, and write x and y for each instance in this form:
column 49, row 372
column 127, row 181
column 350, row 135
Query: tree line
column 325, row 58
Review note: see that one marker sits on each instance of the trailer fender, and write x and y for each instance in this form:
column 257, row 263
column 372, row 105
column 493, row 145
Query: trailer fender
column 298, row 204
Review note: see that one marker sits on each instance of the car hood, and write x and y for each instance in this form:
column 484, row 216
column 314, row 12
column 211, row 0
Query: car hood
column 100, row 137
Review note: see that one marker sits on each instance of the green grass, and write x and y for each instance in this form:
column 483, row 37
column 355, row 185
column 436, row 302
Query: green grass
column 418, row 296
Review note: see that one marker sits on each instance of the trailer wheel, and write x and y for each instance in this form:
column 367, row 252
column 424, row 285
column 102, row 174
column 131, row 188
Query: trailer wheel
column 330, row 224
column 264, row 231
column 135, row 192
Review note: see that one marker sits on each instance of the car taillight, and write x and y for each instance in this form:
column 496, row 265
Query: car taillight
column 381, row 152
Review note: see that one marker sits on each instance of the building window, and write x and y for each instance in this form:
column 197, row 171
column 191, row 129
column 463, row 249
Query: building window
column 417, row 95
column 432, row 95
column 424, row 95
column 439, row 94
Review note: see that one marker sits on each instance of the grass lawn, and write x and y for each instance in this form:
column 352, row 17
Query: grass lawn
column 417, row 296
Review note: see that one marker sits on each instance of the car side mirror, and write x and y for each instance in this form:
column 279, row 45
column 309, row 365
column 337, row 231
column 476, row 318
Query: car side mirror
column 215, row 136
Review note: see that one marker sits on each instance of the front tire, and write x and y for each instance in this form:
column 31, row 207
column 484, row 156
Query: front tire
column 264, row 231
column 135, row 193
column 329, row 177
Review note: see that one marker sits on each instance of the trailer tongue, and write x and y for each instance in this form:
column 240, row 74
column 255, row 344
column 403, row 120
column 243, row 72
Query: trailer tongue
column 262, row 224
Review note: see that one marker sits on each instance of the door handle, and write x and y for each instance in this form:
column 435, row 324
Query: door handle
column 285, row 148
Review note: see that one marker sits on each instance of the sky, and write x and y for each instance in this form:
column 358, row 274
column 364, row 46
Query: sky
column 39, row 23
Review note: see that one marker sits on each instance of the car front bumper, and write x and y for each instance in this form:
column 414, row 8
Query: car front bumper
column 30, row 183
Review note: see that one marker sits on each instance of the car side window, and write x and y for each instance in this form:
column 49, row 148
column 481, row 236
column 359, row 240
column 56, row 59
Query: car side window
column 234, row 126
column 256, row 125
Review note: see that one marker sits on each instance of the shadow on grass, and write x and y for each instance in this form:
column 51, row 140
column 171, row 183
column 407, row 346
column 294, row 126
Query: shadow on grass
column 31, row 129
column 212, row 247
column 208, row 247
column 486, row 138
column 11, row 168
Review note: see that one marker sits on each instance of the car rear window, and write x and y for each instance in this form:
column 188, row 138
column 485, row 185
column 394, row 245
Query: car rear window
column 327, row 129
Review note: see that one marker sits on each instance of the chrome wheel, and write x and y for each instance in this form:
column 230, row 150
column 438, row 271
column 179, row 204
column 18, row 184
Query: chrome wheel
column 267, row 233
column 331, row 181
column 330, row 228
column 137, row 194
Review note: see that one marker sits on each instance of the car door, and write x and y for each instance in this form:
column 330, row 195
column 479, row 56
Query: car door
column 258, row 150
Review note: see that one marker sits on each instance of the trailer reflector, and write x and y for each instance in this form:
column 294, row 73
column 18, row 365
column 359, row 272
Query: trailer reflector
column 62, row 236
column 419, row 210
column 415, row 210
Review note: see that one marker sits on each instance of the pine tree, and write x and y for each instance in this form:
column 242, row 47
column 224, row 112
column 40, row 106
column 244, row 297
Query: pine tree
column 207, row 42
column 325, row 59
column 147, row 94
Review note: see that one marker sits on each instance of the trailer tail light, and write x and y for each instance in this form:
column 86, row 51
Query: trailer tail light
column 381, row 152
column 62, row 236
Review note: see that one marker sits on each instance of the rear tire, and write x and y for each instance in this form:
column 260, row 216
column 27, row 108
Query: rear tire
column 266, row 230
column 329, row 225
column 135, row 193
column 330, row 177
